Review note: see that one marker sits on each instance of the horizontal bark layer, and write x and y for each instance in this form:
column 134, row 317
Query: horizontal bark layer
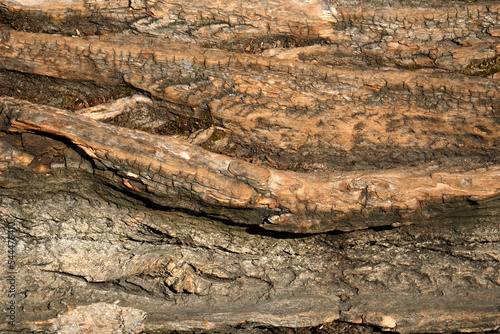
column 447, row 35
column 175, row 174
column 290, row 111
column 90, row 259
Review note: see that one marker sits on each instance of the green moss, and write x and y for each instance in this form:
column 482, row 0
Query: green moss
column 27, row 21
column 217, row 135
column 483, row 68
column 68, row 101
column 39, row 22
column 206, row 120
column 184, row 126
column 122, row 91
column 412, row 67
column 261, row 43
column 72, row 101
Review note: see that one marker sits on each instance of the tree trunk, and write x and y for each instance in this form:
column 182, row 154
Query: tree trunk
column 240, row 166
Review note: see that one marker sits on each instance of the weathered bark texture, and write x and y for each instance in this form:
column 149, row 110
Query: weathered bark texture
column 174, row 174
column 239, row 165
column 294, row 112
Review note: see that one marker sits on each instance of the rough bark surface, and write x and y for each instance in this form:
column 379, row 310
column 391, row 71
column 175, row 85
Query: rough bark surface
column 174, row 174
column 292, row 112
column 257, row 166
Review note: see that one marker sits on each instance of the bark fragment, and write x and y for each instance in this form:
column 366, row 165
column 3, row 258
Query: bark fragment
column 179, row 175
column 296, row 113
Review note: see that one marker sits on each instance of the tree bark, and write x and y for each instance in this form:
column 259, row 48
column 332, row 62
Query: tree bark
column 281, row 164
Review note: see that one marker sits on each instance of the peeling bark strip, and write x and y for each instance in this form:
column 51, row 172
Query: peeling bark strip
column 175, row 174
column 287, row 109
column 442, row 34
